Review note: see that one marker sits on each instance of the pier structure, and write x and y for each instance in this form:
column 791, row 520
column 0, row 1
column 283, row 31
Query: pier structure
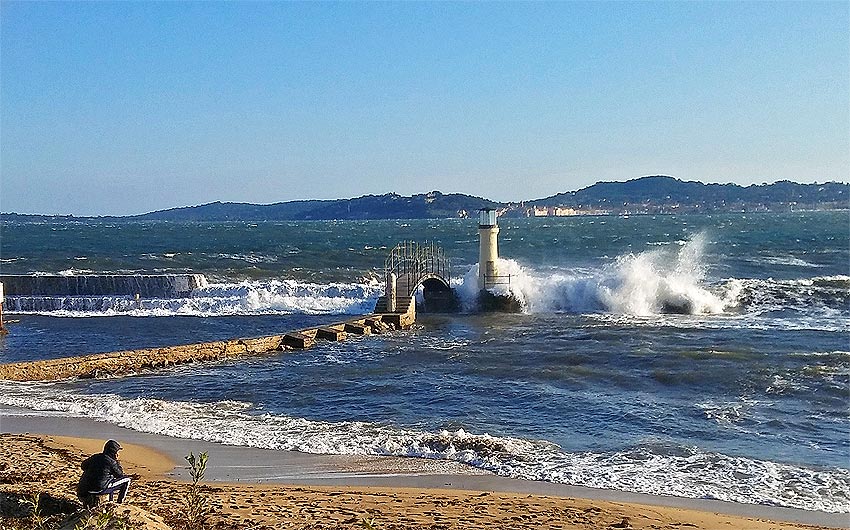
column 409, row 266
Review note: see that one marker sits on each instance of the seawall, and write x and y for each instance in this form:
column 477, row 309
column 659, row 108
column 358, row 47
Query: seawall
column 144, row 285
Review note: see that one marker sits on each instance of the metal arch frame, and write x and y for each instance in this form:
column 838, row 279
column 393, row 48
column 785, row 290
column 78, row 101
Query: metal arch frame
column 419, row 262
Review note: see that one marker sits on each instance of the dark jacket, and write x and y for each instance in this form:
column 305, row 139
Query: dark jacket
column 98, row 471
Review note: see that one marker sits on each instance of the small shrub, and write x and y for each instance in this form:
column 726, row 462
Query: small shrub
column 369, row 523
column 196, row 504
column 37, row 519
column 104, row 519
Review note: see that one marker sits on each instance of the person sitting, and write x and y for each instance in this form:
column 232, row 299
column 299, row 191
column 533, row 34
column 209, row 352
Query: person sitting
column 102, row 474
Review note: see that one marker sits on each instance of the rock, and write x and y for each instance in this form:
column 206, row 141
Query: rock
column 134, row 516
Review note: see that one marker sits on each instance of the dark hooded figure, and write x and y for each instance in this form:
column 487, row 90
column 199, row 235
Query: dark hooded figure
column 102, row 474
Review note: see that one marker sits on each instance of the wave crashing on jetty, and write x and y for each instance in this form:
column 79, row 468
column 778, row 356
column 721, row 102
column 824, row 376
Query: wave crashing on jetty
column 669, row 280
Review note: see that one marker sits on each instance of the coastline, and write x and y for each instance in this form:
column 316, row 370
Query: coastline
column 277, row 473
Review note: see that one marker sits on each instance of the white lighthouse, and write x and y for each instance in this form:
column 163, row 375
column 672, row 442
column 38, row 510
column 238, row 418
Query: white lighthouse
column 488, row 233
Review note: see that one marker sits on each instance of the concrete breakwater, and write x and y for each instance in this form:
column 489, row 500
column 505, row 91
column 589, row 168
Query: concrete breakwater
column 127, row 362
column 144, row 285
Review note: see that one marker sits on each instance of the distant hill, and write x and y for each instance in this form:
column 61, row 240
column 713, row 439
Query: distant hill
column 665, row 193
column 654, row 194
column 389, row 206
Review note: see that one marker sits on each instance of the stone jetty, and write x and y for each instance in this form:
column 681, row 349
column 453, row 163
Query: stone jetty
column 129, row 362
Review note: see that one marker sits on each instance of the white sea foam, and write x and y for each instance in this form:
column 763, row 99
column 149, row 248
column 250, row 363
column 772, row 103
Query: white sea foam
column 656, row 468
column 216, row 299
column 645, row 288
column 75, row 272
column 726, row 413
column 788, row 261
column 826, row 320
column 665, row 280
column 250, row 257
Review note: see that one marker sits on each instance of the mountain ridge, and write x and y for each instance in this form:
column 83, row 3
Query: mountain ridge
column 649, row 194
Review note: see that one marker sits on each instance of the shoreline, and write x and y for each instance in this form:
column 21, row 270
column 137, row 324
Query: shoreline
column 241, row 467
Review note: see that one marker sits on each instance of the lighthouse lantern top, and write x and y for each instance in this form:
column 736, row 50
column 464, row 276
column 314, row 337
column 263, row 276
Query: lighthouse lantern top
column 487, row 217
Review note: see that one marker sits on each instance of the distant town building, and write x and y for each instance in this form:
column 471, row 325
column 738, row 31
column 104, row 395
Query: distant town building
column 558, row 211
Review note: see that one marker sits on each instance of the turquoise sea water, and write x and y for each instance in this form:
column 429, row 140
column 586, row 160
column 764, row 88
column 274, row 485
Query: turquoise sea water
column 743, row 398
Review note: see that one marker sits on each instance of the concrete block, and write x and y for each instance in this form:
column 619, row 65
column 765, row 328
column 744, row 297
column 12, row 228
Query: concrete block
column 298, row 340
column 333, row 334
column 357, row 328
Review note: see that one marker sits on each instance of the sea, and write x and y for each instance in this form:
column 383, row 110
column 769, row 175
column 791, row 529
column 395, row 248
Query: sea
column 740, row 393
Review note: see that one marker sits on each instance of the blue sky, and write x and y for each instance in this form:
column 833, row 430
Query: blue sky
column 129, row 107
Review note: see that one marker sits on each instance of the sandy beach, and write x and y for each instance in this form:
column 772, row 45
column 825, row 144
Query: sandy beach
column 249, row 489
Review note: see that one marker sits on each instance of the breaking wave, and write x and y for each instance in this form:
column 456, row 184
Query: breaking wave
column 664, row 281
column 651, row 467
column 669, row 279
column 215, row 299
column 651, row 282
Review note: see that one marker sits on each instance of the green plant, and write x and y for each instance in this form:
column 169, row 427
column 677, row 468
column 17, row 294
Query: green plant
column 38, row 520
column 369, row 523
column 101, row 520
column 105, row 519
column 196, row 503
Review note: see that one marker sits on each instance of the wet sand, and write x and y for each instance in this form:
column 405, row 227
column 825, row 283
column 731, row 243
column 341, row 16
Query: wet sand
column 256, row 488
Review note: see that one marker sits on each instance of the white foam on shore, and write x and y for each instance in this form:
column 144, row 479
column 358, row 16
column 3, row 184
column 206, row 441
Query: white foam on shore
column 655, row 468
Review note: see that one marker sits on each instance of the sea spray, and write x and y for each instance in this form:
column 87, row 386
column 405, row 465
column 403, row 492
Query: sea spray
column 651, row 282
column 660, row 281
